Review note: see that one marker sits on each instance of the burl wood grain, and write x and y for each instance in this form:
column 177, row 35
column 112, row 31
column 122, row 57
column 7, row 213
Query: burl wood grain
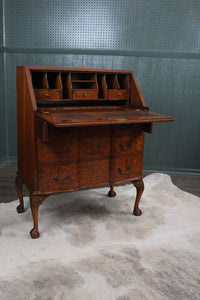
column 118, row 94
column 47, row 94
column 78, row 146
column 94, row 173
column 84, row 95
column 61, row 146
column 126, row 168
column 127, row 140
column 58, row 178
column 94, row 142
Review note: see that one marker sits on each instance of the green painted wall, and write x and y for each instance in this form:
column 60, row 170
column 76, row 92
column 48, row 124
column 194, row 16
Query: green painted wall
column 158, row 40
column 1, row 23
column 3, row 127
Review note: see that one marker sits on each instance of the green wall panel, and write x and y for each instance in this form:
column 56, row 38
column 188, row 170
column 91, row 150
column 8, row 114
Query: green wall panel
column 3, row 124
column 169, row 86
column 158, row 40
column 1, row 23
column 123, row 25
column 3, row 113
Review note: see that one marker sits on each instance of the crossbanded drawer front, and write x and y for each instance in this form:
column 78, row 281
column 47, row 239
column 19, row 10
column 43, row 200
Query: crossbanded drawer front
column 127, row 140
column 126, row 168
column 46, row 94
column 84, row 95
column 58, row 177
column 62, row 146
column 118, row 94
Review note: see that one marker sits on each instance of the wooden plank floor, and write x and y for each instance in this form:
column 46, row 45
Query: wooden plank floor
column 187, row 182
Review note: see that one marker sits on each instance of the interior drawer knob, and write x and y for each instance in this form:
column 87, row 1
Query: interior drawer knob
column 47, row 95
column 86, row 95
column 119, row 94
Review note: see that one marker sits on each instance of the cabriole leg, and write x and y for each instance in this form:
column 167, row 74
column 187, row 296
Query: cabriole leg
column 139, row 184
column 19, row 188
column 35, row 202
column 111, row 193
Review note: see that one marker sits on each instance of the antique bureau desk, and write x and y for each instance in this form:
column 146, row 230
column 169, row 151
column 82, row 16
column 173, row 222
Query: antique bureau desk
column 77, row 129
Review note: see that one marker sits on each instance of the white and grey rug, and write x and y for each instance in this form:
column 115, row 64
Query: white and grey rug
column 92, row 247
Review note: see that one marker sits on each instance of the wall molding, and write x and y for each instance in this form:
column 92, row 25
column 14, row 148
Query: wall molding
column 136, row 53
column 172, row 170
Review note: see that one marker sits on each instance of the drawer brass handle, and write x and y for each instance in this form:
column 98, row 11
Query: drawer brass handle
column 124, row 172
column 125, row 149
column 62, row 181
column 69, row 150
column 119, row 94
column 86, row 95
column 47, row 95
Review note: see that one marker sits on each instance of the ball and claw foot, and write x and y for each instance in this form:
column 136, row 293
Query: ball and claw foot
column 137, row 212
column 20, row 209
column 34, row 233
column 111, row 194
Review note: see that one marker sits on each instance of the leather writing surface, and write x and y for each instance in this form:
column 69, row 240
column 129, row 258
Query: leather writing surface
column 60, row 119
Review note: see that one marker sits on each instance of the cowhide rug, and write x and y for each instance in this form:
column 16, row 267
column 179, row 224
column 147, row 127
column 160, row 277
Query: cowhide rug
column 92, row 247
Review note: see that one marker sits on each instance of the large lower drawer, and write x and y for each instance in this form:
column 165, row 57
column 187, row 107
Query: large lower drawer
column 62, row 145
column 126, row 168
column 127, row 139
column 58, row 177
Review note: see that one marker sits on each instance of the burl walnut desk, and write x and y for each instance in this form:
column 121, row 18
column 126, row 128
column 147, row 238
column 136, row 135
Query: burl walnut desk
column 78, row 129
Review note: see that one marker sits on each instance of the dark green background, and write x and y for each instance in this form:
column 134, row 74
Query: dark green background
column 158, row 39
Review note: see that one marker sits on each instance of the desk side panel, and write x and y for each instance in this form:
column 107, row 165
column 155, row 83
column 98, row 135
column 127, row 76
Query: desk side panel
column 26, row 131
column 136, row 97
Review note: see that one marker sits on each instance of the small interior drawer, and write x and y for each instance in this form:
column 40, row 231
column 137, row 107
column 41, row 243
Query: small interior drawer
column 46, row 94
column 118, row 94
column 84, row 95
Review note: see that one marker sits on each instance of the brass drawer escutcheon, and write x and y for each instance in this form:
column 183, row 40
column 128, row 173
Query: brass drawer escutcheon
column 62, row 181
column 124, row 172
column 125, row 149
column 69, row 150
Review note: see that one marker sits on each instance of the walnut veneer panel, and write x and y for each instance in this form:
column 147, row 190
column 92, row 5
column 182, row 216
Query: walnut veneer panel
column 126, row 168
column 48, row 94
column 68, row 140
column 127, row 140
column 94, row 173
column 94, row 142
column 58, row 178
column 61, row 147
